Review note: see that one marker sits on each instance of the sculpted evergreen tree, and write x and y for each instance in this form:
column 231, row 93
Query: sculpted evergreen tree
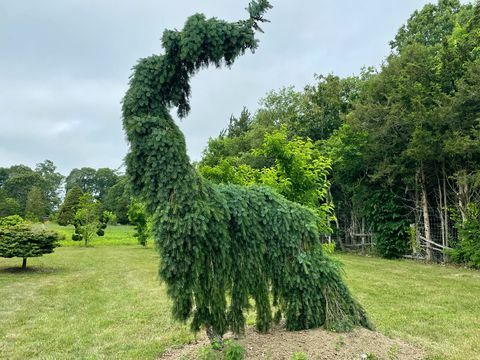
column 70, row 205
column 223, row 241
column 20, row 240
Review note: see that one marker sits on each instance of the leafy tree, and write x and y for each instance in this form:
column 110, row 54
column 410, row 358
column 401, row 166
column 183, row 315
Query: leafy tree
column 20, row 181
column 429, row 26
column 298, row 171
column 67, row 212
column 117, row 200
column 83, row 178
column 104, row 179
column 8, row 205
column 137, row 214
column 4, row 174
column 239, row 126
column 36, row 207
column 19, row 240
column 223, row 240
column 88, row 221
column 51, row 184
column 468, row 249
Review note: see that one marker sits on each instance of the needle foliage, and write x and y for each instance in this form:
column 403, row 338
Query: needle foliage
column 222, row 245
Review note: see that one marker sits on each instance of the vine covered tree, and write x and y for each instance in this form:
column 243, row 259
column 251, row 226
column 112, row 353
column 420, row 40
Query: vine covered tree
column 219, row 241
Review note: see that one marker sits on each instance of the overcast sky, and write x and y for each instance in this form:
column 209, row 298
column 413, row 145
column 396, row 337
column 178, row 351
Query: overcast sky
column 64, row 67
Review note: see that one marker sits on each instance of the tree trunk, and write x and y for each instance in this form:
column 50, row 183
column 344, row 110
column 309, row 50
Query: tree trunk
column 363, row 236
column 426, row 217
column 24, row 263
column 445, row 203
column 339, row 238
column 441, row 205
column 418, row 216
column 215, row 339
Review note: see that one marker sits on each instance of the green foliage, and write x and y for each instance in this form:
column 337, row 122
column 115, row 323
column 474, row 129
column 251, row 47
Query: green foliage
column 390, row 224
column 117, row 200
column 11, row 220
column 95, row 182
column 109, row 217
column 22, row 241
column 70, row 205
column 51, row 183
column 238, row 126
column 88, row 221
column 17, row 182
column 138, row 217
column 231, row 350
column 298, row 172
column 84, row 178
column 20, row 181
column 224, row 244
column 8, row 205
column 429, row 26
column 35, row 207
column 207, row 353
column 467, row 250
column 299, row 356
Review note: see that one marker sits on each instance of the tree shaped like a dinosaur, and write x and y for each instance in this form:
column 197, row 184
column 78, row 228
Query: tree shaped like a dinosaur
column 221, row 246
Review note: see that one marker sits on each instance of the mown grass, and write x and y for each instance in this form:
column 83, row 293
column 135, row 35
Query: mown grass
column 86, row 303
column 114, row 235
column 106, row 302
column 427, row 304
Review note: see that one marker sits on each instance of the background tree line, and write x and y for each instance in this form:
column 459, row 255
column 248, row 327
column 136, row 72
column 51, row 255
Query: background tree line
column 37, row 194
column 393, row 152
column 403, row 141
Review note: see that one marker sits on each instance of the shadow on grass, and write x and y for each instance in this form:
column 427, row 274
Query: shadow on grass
column 30, row 270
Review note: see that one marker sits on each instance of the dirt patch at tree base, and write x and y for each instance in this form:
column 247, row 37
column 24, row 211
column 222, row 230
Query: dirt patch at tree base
column 280, row 344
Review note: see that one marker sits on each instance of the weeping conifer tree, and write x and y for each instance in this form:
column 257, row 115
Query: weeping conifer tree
column 221, row 246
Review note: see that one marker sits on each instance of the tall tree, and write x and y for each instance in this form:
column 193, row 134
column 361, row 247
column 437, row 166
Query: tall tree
column 52, row 181
column 69, row 208
column 219, row 241
column 84, row 178
column 429, row 26
column 20, row 181
column 36, row 206
column 117, row 200
column 104, row 179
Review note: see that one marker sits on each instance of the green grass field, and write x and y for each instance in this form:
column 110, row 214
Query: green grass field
column 106, row 302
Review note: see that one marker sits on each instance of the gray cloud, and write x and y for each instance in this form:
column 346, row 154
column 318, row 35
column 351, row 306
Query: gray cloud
column 65, row 66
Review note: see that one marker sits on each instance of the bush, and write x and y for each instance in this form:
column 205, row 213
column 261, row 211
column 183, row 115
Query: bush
column 231, row 351
column 299, row 356
column 390, row 224
column 138, row 217
column 467, row 250
column 88, row 222
column 24, row 242
column 11, row 220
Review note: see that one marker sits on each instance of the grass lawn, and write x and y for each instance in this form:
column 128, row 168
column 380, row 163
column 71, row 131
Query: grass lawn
column 105, row 302
column 114, row 235
column 430, row 305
